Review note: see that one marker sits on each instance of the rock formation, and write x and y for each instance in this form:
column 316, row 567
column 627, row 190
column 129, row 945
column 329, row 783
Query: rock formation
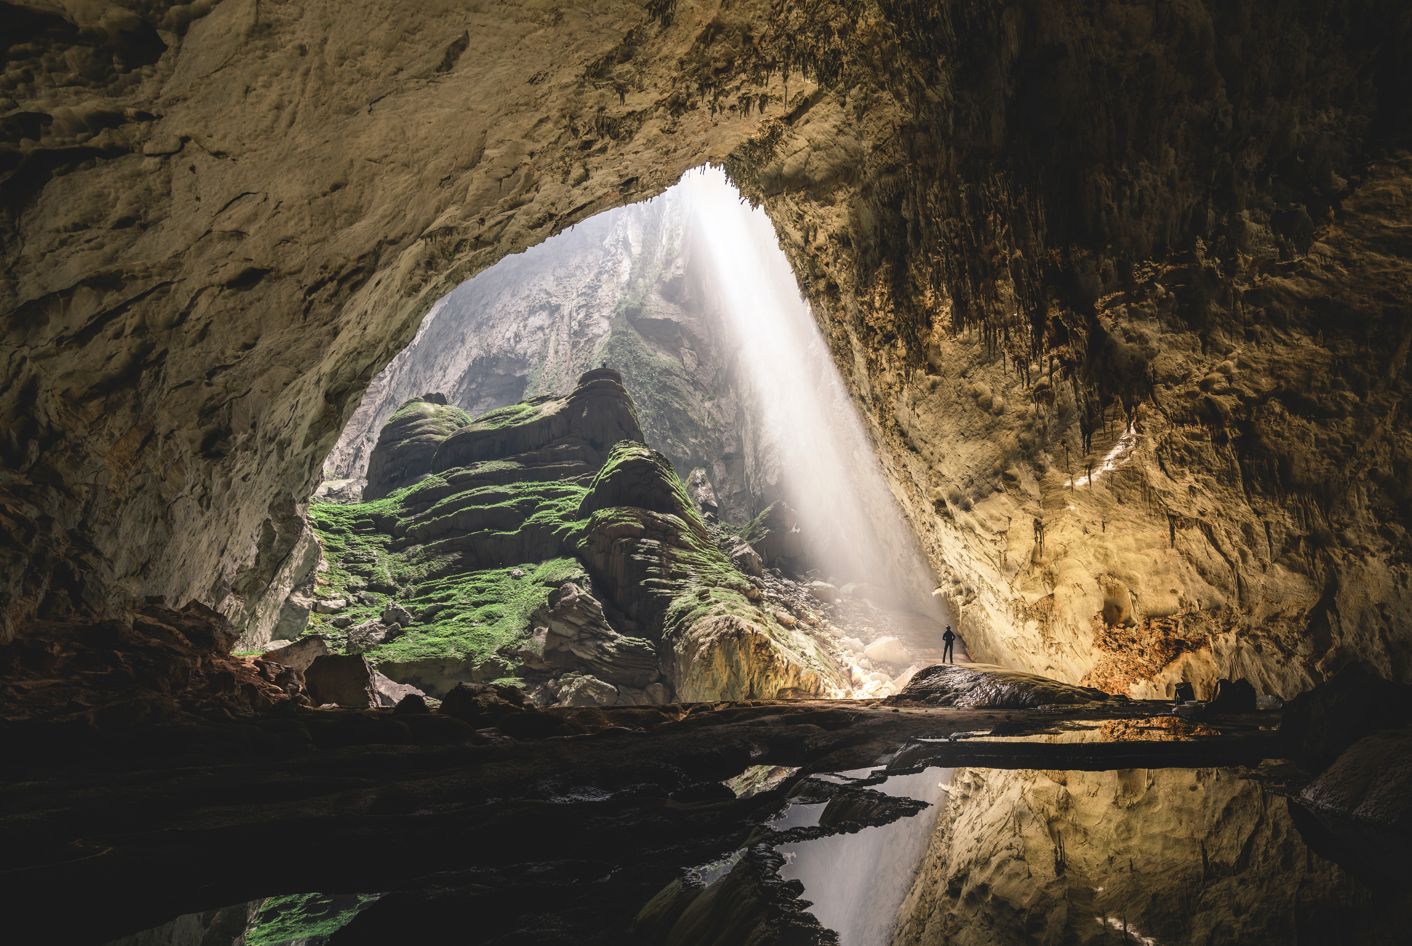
column 544, row 543
column 1121, row 296
column 995, row 687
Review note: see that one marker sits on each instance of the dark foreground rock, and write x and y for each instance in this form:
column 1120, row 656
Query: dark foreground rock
column 1360, row 808
column 158, row 664
column 532, row 837
column 341, row 679
column 975, row 686
column 1318, row 725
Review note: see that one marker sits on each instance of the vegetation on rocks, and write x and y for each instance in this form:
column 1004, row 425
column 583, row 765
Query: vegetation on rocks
column 303, row 918
column 448, row 574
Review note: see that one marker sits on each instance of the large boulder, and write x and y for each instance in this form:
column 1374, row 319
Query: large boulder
column 982, row 687
column 364, row 637
column 298, row 655
column 394, row 613
column 1359, row 811
column 1318, row 725
column 581, row 689
column 1234, row 696
column 745, row 558
column 391, row 693
column 341, row 679
column 702, row 493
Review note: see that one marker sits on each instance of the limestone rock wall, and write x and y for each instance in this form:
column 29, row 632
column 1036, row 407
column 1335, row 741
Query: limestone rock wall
column 1147, row 254
column 222, row 219
column 1023, row 228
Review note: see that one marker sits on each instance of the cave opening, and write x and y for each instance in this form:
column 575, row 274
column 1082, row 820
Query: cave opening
column 1118, row 297
column 454, row 537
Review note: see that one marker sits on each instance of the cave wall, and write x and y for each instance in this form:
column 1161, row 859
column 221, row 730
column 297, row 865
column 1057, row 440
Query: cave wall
column 1022, row 226
column 222, row 219
column 1030, row 230
column 1136, row 855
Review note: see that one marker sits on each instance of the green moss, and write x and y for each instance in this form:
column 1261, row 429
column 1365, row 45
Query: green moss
column 304, row 917
column 549, row 502
column 462, row 612
column 478, row 614
column 445, row 416
column 512, row 415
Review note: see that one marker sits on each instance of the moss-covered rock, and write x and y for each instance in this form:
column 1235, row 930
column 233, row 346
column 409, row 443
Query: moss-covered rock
column 583, row 425
column 521, row 503
column 408, row 443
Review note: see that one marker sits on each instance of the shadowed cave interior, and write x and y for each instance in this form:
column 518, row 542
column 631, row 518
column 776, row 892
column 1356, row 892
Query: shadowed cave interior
column 506, row 472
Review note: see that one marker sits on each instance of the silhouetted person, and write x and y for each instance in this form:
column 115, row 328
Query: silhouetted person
column 947, row 653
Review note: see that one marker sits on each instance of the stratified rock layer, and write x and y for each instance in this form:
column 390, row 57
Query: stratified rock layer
column 408, row 443
column 626, row 288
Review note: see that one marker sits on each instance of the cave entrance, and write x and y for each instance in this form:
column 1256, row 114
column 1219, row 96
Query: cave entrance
column 618, row 467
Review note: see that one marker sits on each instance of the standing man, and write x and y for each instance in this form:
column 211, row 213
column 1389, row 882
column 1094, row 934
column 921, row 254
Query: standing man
column 947, row 653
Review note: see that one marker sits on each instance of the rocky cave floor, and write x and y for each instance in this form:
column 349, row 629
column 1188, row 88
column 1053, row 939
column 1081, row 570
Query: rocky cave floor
column 583, row 825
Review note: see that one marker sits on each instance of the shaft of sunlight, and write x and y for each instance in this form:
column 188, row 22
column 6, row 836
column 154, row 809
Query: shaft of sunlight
column 831, row 472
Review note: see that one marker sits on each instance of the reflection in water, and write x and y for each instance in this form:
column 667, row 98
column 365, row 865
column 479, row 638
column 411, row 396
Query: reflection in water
column 1139, row 857
column 1168, row 856
column 299, row 919
column 1143, row 857
column 856, row 882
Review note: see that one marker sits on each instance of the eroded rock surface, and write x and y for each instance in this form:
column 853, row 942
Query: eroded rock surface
column 1167, row 856
column 991, row 687
column 1123, row 296
column 1363, row 807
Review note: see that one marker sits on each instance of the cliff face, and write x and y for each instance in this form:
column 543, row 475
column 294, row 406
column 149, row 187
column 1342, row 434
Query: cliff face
column 1024, row 228
column 1133, row 358
column 623, row 288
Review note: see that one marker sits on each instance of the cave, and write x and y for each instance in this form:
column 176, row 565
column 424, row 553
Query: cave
column 405, row 532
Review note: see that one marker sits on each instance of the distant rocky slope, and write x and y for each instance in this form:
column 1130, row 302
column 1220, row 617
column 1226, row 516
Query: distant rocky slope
column 544, row 543
column 625, row 289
